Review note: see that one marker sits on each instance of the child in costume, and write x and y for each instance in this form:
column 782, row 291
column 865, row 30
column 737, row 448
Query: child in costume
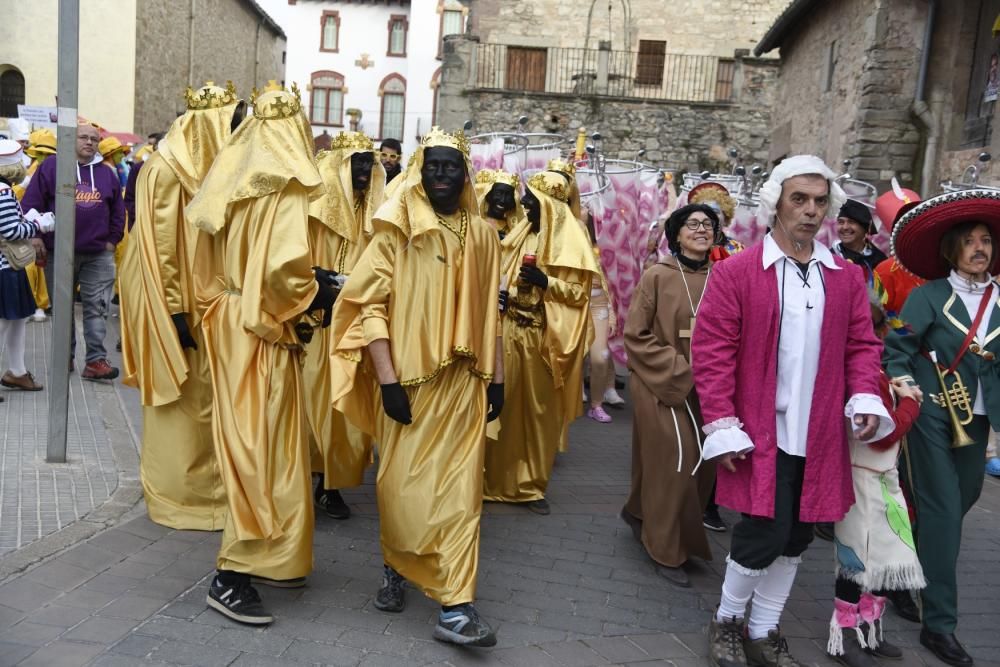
column 874, row 544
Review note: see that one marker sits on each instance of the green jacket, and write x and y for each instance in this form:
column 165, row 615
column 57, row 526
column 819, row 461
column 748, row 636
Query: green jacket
column 939, row 321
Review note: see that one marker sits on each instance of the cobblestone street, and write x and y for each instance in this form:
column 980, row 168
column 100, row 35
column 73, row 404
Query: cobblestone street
column 572, row 588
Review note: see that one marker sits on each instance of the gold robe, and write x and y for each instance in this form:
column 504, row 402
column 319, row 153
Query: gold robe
column 179, row 473
column 339, row 229
column 545, row 337
column 667, row 495
column 254, row 279
column 441, row 321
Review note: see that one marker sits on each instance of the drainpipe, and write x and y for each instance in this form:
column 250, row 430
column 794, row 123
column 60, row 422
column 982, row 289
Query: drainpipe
column 256, row 51
column 191, row 81
column 926, row 120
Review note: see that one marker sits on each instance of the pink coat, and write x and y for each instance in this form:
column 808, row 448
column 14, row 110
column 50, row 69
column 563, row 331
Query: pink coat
column 734, row 359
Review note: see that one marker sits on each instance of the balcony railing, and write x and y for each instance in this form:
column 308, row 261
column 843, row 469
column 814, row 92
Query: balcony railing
column 602, row 72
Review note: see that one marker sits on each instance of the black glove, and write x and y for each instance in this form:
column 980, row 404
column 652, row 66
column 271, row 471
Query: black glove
column 494, row 397
column 183, row 332
column 504, row 295
column 396, row 403
column 534, row 276
column 327, row 294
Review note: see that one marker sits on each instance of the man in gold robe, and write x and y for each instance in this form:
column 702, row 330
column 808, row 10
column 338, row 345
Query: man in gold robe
column 255, row 280
column 496, row 192
column 550, row 266
column 339, row 230
column 163, row 350
column 415, row 365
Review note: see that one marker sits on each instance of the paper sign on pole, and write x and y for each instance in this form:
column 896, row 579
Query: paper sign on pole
column 38, row 116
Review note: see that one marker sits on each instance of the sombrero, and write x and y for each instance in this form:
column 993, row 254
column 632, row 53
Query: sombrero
column 916, row 238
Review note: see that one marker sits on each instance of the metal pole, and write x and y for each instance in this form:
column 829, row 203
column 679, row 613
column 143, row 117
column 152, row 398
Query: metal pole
column 61, row 293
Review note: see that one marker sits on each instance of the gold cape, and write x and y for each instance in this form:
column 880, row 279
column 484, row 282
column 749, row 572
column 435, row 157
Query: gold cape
column 441, row 321
column 545, row 340
column 339, row 230
column 254, row 279
column 179, row 472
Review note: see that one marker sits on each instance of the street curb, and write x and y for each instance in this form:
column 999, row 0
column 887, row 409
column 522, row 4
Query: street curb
column 127, row 493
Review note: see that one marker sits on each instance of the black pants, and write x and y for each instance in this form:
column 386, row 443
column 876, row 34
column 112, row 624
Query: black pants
column 758, row 541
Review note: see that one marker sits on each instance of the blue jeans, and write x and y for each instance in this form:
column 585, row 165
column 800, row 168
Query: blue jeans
column 95, row 274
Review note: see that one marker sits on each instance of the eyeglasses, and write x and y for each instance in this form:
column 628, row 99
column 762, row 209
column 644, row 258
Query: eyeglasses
column 390, row 156
column 695, row 225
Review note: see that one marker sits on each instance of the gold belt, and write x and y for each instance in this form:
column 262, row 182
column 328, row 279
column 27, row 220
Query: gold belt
column 522, row 321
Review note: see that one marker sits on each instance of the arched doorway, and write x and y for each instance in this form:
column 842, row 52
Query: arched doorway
column 11, row 92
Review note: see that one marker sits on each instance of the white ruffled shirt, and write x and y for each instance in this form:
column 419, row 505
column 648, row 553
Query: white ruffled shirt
column 801, row 297
column 971, row 293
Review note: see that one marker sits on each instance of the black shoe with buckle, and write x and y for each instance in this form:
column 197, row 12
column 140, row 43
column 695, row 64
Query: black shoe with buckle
column 391, row 596
column 238, row 601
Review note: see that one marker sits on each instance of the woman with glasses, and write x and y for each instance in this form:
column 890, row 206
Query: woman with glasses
column 669, row 486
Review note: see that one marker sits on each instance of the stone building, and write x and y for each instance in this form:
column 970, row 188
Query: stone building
column 899, row 87
column 137, row 56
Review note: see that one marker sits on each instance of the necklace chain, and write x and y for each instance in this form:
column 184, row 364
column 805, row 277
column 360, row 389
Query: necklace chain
column 463, row 226
column 694, row 308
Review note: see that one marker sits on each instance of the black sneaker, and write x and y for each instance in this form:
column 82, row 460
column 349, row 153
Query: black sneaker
column 239, row 602
column 713, row 521
column 392, row 596
column 331, row 502
column 540, row 506
column 463, row 626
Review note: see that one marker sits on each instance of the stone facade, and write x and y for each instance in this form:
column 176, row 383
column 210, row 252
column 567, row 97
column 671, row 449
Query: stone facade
column 706, row 27
column 676, row 135
column 848, row 89
column 226, row 40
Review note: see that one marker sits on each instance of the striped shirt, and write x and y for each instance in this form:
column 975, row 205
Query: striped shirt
column 13, row 226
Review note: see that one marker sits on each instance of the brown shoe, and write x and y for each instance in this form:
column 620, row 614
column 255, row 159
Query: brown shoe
column 99, row 370
column 24, row 382
column 771, row 651
column 725, row 643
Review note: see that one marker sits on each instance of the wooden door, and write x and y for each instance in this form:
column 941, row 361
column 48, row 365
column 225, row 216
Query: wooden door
column 526, row 68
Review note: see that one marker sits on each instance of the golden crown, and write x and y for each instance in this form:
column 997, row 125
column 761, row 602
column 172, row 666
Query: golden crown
column 275, row 102
column 352, row 141
column 210, row 96
column 494, row 176
column 550, row 184
column 562, row 166
column 438, row 137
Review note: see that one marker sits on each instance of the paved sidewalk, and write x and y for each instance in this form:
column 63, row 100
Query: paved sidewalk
column 569, row 589
column 38, row 499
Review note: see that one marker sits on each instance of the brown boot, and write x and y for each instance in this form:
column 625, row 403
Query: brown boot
column 24, row 382
column 725, row 643
column 771, row 651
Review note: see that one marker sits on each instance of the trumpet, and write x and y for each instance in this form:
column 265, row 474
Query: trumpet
column 954, row 399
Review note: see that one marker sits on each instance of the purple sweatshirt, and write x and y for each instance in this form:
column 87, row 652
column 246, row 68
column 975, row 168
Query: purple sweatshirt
column 100, row 210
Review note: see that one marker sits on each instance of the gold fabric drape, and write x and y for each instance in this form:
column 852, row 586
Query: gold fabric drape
column 339, row 229
column 254, row 279
column 443, row 277
column 543, row 366
column 179, row 471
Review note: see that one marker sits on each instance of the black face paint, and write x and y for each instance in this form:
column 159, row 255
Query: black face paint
column 361, row 170
column 500, row 201
column 533, row 209
column 443, row 177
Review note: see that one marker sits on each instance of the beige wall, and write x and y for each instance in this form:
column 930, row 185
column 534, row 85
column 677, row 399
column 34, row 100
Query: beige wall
column 708, row 27
column 28, row 41
column 227, row 45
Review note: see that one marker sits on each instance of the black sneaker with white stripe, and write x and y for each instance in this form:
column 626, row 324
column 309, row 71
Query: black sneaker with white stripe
column 463, row 626
column 239, row 601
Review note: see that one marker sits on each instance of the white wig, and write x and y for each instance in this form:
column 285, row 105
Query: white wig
column 797, row 165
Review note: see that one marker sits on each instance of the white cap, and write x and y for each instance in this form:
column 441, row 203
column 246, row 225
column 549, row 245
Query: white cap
column 18, row 129
column 797, row 165
column 10, row 152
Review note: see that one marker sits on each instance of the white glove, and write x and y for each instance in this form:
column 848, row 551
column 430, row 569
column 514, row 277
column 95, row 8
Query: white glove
column 46, row 222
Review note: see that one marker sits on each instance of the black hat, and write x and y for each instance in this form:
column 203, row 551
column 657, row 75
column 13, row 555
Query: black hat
column 859, row 213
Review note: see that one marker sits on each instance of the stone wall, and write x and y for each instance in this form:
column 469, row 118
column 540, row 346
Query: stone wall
column 707, row 27
column 230, row 42
column 678, row 136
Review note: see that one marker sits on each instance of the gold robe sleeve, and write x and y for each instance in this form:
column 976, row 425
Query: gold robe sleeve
column 153, row 359
column 279, row 283
column 653, row 355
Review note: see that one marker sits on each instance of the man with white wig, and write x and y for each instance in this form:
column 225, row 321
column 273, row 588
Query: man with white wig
column 783, row 335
